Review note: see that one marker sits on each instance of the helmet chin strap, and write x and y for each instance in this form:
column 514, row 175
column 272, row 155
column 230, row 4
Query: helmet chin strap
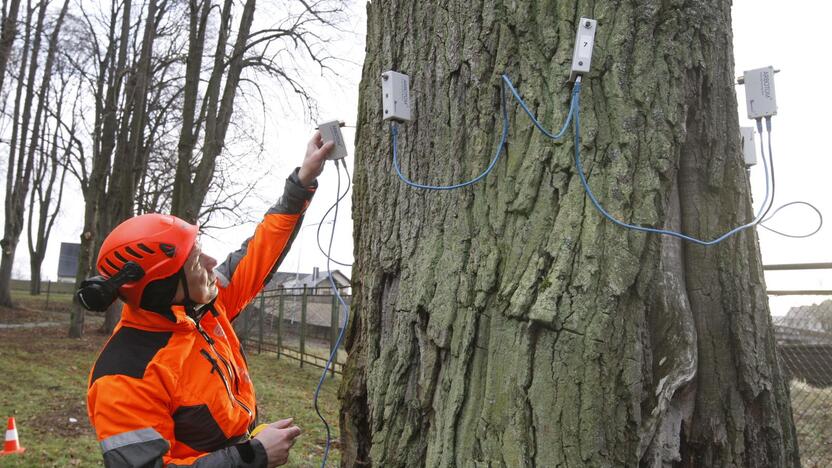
column 190, row 305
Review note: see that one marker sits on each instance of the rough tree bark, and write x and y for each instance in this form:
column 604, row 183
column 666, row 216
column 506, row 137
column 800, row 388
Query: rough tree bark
column 509, row 324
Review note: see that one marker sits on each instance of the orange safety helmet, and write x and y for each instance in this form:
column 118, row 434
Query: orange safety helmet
column 158, row 243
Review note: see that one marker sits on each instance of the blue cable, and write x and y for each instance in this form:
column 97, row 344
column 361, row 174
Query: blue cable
column 507, row 82
column 395, row 131
column 573, row 117
column 579, row 166
column 346, row 318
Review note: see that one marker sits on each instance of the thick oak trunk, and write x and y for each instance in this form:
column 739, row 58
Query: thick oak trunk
column 509, row 324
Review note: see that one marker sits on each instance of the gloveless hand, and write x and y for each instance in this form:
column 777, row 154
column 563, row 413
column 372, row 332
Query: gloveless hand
column 313, row 162
column 277, row 439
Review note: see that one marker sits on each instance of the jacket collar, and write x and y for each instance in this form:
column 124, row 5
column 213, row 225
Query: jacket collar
column 175, row 318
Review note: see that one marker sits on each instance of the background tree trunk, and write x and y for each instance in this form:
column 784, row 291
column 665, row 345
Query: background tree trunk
column 7, row 35
column 189, row 194
column 20, row 172
column 47, row 190
column 38, row 148
column 509, row 324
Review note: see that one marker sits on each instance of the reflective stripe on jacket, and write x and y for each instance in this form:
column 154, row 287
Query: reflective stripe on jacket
column 167, row 390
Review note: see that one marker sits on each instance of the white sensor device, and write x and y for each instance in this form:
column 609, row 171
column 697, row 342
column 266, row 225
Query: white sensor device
column 759, row 92
column 749, row 148
column 395, row 96
column 331, row 131
column 584, row 42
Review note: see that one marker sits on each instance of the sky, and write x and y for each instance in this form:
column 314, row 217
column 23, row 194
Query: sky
column 766, row 32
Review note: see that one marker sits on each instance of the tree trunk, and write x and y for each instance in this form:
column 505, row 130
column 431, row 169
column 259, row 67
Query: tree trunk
column 509, row 324
column 38, row 150
column 197, row 22
column 189, row 195
column 34, row 282
column 7, row 36
column 107, row 94
column 20, row 172
column 129, row 163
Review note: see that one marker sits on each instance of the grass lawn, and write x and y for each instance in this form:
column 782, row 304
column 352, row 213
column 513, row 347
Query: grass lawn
column 43, row 376
column 54, row 302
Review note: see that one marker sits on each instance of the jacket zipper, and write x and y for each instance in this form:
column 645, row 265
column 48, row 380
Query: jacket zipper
column 215, row 366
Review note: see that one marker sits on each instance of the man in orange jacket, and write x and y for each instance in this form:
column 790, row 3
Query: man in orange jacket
column 171, row 386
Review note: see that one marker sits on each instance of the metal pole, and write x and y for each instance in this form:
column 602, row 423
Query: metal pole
column 303, row 326
column 262, row 312
column 333, row 332
column 280, row 323
column 798, row 266
column 48, row 290
column 808, row 292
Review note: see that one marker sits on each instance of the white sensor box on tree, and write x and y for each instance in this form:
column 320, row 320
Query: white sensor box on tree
column 331, row 131
column 395, row 96
column 584, row 42
column 759, row 92
column 749, row 149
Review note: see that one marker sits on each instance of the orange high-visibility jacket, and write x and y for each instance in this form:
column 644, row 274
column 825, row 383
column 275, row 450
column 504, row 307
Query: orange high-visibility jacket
column 169, row 390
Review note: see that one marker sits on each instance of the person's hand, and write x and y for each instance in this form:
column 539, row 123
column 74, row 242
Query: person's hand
column 313, row 162
column 277, row 439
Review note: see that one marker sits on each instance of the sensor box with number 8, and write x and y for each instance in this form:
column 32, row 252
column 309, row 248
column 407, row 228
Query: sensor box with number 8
column 760, row 99
column 395, row 96
column 331, row 131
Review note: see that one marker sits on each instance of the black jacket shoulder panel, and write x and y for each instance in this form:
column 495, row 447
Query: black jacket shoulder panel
column 129, row 352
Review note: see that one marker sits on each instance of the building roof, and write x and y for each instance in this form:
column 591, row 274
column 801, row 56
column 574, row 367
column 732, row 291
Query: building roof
column 279, row 278
column 316, row 279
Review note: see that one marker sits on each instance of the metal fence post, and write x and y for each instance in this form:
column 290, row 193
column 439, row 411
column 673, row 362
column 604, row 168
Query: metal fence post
column 303, row 325
column 262, row 312
column 280, row 323
column 333, row 333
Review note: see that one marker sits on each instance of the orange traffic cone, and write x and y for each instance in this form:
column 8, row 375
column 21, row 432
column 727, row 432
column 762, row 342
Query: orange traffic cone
column 11, row 445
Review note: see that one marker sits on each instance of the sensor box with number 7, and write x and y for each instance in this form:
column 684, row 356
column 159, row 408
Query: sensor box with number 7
column 584, row 41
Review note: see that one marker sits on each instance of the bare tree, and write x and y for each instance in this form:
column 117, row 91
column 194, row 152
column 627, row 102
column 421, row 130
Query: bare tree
column 50, row 175
column 250, row 50
column 20, row 172
column 104, row 73
column 146, row 78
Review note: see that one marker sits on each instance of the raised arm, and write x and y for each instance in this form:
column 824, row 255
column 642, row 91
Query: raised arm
column 244, row 272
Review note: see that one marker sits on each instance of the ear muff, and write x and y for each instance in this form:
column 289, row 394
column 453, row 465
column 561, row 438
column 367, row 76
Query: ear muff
column 98, row 293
